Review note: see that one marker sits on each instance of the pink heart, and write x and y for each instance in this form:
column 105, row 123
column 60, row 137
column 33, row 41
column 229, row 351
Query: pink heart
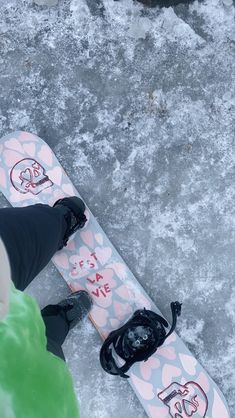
column 120, row 269
column 87, row 237
column 189, row 363
column 115, row 323
column 203, row 381
column 103, row 254
column 30, row 149
column 26, row 175
column 75, row 286
column 144, row 389
column 102, row 289
column 11, row 157
column 167, row 352
column 158, row 412
column 61, row 260
column 15, row 145
column 57, row 194
column 83, row 263
column 71, row 245
column 219, row 409
column 107, row 275
column 15, row 197
column 146, row 367
column 46, row 155
column 84, row 252
column 122, row 310
column 168, row 373
column 99, row 316
column 124, row 292
column 27, row 136
column 98, row 296
column 68, row 189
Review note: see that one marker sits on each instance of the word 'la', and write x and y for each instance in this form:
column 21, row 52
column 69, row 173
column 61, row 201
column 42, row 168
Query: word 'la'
column 101, row 290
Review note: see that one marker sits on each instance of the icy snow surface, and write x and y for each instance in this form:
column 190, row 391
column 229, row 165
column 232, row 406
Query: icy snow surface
column 139, row 105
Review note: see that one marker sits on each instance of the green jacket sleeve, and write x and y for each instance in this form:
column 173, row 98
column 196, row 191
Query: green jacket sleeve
column 33, row 382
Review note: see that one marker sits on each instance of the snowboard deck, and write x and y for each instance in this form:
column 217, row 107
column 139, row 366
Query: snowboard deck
column 171, row 383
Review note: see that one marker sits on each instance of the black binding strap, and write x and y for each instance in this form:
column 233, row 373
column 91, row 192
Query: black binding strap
column 119, row 342
column 176, row 311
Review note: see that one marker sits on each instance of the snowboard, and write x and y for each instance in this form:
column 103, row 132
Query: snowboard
column 171, row 383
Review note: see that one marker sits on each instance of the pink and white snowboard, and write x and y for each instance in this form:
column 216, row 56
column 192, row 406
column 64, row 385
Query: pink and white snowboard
column 171, row 383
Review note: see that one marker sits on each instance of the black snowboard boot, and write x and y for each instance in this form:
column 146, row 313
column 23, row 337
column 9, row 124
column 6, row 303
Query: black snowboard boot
column 76, row 307
column 73, row 209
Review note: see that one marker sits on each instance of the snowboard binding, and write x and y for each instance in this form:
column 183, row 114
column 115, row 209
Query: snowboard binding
column 137, row 340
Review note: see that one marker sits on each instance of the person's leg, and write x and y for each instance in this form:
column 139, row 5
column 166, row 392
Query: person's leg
column 31, row 235
column 57, row 329
column 60, row 318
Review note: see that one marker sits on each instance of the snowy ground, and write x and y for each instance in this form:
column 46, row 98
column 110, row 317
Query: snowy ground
column 138, row 104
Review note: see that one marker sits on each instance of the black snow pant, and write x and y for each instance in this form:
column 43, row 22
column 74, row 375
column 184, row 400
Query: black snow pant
column 32, row 235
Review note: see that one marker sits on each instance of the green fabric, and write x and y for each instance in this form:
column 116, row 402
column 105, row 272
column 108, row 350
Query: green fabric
column 33, row 382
